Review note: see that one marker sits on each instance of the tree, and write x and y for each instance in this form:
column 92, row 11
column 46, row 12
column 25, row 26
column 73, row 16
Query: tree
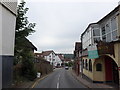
column 23, row 54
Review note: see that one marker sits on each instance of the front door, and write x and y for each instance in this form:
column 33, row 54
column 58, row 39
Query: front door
column 115, row 73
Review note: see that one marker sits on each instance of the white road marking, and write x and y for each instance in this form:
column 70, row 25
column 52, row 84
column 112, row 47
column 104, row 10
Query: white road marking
column 58, row 81
column 58, row 78
column 58, row 85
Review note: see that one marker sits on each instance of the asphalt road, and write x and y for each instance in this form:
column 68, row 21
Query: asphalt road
column 60, row 78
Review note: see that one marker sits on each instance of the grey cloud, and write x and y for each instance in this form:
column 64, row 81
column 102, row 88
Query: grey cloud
column 59, row 25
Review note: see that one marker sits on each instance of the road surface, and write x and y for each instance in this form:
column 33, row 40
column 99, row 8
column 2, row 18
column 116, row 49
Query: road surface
column 60, row 78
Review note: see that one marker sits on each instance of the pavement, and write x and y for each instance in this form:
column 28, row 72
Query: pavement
column 90, row 84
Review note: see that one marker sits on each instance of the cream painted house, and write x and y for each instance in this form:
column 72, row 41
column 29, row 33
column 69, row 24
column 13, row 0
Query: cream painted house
column 101, row 49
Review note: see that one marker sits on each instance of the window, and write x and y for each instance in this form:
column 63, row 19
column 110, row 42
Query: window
column 99, row 67
column 104, row 38
column 86, row 64
column 113, row 24
column 114, row 35
column 97, row 39
column 103, row 30
column 83, row 63
column 90, row 65
column 96, row 32
column 108, row 37
column 108, row 27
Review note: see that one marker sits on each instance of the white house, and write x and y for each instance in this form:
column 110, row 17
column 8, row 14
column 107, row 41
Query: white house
column 8, row 10
column 57, row 61
column 49, row 56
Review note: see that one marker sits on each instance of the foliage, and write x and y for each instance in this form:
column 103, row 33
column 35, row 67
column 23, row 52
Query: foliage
column 23, row 54
column 70, row 64
column 28, row 69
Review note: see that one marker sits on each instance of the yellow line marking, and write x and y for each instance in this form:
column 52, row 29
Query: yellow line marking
column 38, row 81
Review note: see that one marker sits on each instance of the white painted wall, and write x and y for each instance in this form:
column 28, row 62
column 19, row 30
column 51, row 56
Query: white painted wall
column 7, row 31
column 57, row 60
column 50, row 58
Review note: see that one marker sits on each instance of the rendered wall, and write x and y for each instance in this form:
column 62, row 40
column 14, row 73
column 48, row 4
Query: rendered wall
column 7, row 36
column 88, row 73
column 99, row 75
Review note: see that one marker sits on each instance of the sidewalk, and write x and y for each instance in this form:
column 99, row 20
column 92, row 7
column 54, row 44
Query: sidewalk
column 89, row 84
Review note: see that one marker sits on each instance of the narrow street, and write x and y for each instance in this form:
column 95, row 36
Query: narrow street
column 60, row 78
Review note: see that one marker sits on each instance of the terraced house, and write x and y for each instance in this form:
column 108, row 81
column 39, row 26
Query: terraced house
column 101, row 49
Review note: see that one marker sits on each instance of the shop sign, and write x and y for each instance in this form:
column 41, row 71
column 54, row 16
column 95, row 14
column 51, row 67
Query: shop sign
column 92, row 52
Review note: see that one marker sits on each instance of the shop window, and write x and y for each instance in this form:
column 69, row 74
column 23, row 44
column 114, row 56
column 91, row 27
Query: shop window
column 90, row 65
column 99, row 67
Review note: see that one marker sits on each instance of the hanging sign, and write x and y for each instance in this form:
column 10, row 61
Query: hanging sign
column 92, row 52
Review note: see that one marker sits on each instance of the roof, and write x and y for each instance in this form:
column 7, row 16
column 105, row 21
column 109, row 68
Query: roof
column 61, row 56
column 38, row 53
column 46, row 53
column 78, row 45
column 28, row 44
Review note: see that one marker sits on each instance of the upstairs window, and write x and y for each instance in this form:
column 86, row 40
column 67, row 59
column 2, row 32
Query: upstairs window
column 108, row 27
column 113, row 24
column 104, row 38
column 114, row 35
column 96, row 32
column 103, row 30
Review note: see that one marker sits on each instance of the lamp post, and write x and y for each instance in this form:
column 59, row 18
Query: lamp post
column 7, row 31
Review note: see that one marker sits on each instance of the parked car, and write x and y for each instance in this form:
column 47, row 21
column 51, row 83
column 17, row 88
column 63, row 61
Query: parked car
column 66, row 67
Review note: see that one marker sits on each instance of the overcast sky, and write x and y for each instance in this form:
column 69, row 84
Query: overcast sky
column 59, row 23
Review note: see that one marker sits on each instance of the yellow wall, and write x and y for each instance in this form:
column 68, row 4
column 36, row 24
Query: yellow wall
column 99, row 75
column 117, row 53
column 88, row 73
column 95, row 75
